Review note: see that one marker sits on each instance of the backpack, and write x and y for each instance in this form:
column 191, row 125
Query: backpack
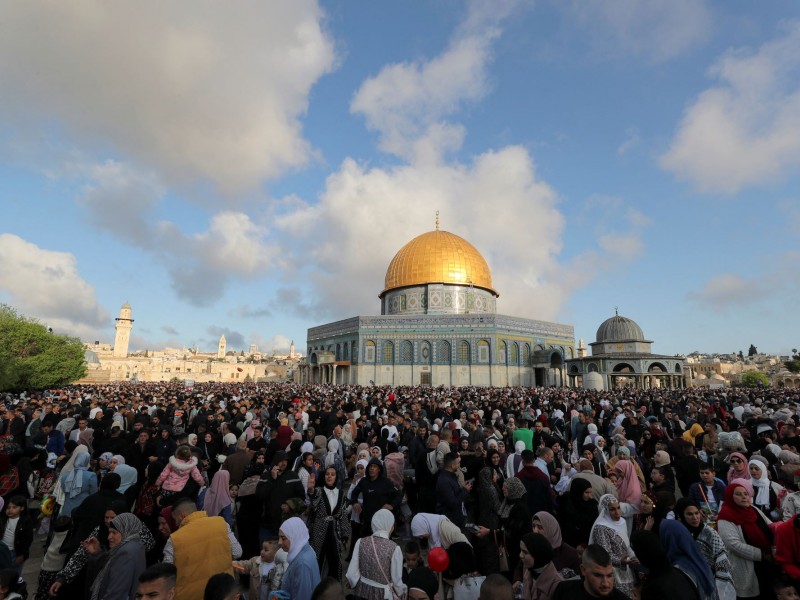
column 430, row 462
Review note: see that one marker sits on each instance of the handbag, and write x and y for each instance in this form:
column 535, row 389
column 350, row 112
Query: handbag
column 395, row 595
column 504, row 566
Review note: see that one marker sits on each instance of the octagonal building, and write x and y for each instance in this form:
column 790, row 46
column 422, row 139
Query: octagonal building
column 438, row 326
column 621, row 357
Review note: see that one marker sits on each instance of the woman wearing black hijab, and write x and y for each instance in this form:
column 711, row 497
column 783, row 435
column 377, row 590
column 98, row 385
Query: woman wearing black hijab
column 663, row 581
column 709, row 544
column 540, row 577
column 578, row 513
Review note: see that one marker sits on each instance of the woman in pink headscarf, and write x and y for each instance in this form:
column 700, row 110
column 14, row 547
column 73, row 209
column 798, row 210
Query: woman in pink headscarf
column 628, row 488
column 739, row 467
column 217, row 500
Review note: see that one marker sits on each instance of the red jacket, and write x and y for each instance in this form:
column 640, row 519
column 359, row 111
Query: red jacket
column 787, row 546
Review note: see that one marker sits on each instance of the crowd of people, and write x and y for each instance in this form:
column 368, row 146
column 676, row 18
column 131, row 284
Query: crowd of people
column 301, row 492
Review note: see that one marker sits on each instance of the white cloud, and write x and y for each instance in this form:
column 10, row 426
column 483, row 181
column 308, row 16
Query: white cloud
column 120, row 199
column 366, row 215
column 46, row 285
column 625, row 247
column 655, row 30
column 632, row 140
column 406, row 102
column 725, row 291
column 193, row 90
column 746, row 130
column 277, row 343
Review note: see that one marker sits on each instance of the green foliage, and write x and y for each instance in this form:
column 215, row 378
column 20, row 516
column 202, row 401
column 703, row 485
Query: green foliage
column 794, row 364
column 754, row 379
column 33, row 357
column 752, row 351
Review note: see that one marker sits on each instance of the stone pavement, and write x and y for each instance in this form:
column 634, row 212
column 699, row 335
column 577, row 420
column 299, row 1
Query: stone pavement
column 30, row 571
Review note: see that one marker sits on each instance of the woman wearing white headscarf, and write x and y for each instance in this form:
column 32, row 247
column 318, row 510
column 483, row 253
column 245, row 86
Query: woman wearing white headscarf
column 334, row 459
column 348, row 432
column 611, row 532
column 77, row 483
column 440, row 531
column 355, row 517
column 514, row 462
column 377, row 564
column 302, row 574
column 765, row 492
column 127, row 474
column 68, row 467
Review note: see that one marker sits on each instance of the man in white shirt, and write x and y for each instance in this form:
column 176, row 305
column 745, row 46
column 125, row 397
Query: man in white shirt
column 392, row 428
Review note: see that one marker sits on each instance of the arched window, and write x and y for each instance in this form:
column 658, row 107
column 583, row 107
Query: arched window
column 338, row 352
column 483, row 351
column 444, row 352
column 514, row 357
column 354, row 351
column 463, row 352
column 407, row 352
column 388, row 353
column 526, row 354
column 501, row 353
column 345, row 351
column 369, row 351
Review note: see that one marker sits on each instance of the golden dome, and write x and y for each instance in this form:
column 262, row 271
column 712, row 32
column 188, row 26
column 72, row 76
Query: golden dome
column 438, row 257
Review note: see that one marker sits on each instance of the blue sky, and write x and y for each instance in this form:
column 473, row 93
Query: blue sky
column 251, row 170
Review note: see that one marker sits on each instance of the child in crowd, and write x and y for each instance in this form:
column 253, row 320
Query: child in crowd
column 11, row 586
column 266, row 570
column 173, row 479
column 412, row 558
column 17, row 530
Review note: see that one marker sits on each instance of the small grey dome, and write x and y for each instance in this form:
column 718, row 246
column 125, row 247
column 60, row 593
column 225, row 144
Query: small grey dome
column 619, row 329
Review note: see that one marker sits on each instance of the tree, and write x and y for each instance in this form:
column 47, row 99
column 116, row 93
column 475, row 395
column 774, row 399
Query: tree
column 31, row 356
column 754, row 379
column 794, row 364
column 752, row 351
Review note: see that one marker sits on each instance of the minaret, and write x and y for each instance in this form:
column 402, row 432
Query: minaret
column 124, row 323
column 221, row 348
column 581, row 348
column 291, row 350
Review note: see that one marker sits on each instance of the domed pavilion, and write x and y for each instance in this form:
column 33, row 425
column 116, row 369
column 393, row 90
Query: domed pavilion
column 438, row 326
column 621, row 357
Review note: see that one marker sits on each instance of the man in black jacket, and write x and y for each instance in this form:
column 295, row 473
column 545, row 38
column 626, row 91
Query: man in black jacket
column 450, row 495
column 278, row 484
column 377, row 492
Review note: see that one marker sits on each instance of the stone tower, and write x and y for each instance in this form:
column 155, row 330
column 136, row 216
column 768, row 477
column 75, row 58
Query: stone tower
column 581, row 349
column 124, row 323
column 291, row 350
column 221, row 348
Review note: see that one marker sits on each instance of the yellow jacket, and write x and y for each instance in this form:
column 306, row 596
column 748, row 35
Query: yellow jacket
column 201, row 549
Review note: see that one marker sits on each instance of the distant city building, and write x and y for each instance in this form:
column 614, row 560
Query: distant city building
column 106, row 363
column 438, row 326
column 621, row 357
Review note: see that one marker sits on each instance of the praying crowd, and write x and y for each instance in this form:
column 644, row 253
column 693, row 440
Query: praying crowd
column 301, row 492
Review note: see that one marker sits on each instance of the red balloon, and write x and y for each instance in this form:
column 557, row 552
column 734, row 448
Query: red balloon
column 438, row 560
